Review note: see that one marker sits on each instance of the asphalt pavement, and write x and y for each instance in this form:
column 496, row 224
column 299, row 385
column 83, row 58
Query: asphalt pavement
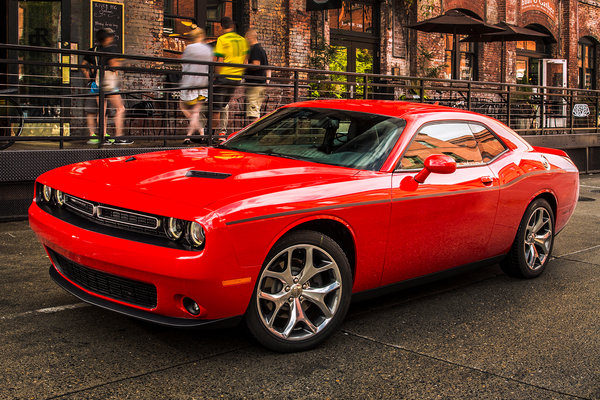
column 480, row 335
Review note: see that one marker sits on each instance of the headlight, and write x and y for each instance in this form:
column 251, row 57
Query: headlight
column 174, row 228
column 46, row 193
column 196, row 234
column 59, row 197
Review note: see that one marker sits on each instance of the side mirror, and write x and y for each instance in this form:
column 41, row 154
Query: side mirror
column 437, row 164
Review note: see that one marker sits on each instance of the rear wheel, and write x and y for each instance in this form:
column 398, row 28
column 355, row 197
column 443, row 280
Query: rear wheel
column 302, row 294
column 532, row 248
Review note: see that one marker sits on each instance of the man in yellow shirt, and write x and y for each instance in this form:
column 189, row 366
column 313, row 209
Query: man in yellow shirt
column 230, row 48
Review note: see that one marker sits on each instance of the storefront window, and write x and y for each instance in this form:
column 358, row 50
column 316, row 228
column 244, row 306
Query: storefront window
column 215, row 10
column 467, row 56
column 529, row 55
column 586, row 63
column 179, row 16
column 353, row 16
column 39, row 24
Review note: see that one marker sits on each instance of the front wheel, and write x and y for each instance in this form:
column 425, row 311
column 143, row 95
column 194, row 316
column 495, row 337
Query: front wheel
column 532, row 248
column 302, row 294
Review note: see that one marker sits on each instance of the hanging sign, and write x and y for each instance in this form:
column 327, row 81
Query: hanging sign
column 548, row 7
column 107, row 14
column 316, row 5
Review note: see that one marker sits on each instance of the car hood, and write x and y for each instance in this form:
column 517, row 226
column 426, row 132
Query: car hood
column 195, row 177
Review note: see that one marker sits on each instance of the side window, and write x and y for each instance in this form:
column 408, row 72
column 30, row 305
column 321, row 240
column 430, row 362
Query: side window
column 489, row 145
column 455, row 139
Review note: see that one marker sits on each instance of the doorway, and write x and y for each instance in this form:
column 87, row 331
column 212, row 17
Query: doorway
column 353, row 56
column 554, row 75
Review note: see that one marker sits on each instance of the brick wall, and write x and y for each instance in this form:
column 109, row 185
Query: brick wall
column 286, row 31
column 143, row 27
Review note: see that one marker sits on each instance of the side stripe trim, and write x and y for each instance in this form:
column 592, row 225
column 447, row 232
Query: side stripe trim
column 366, row 203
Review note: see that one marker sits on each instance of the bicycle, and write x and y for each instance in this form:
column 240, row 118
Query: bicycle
column 11, row 118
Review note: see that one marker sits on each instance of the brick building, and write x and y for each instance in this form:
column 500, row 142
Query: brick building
column 362, row 35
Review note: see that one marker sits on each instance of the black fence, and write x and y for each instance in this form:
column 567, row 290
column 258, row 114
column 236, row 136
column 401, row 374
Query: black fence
column 45, row 99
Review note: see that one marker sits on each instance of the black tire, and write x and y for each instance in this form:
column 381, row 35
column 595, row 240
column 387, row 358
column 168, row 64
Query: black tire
column 321, row 294
column 531, row 250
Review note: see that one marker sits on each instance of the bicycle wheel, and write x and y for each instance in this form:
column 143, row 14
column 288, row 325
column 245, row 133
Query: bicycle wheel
column 11, row 121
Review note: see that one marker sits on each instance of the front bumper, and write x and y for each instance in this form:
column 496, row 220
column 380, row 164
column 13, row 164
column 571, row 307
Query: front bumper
column 206, row 276
column 137, row 313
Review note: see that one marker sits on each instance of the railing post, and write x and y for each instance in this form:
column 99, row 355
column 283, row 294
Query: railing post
column 422, row 91
column 210, row 105
column 295, row 86
column 542, row 110
column 101, row 105
column 596, row 111
column 366, row 78
column 570, row 111
column 508, row 105
column 61, row 122
column 469, row 96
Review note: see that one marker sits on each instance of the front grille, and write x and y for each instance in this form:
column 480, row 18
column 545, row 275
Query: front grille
column 114, row 216
column 79, row 205
column 127, row 217
column 123, row 289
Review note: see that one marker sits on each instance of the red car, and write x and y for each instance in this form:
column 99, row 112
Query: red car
column 314, row 204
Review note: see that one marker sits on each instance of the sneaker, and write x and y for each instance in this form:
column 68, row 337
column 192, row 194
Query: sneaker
column 122, row 141
column 93, row 139
column 108, row 140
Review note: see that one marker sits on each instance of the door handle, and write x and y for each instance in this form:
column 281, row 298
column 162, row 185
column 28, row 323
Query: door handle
column 487, row 180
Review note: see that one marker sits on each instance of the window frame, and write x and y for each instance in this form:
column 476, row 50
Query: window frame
column 399, row 168
column 583, row 44
column 456, row 55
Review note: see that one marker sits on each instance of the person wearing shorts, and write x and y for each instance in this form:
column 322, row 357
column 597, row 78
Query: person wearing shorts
column 230, row 48
column 90, row 103
column 106, row 38
column 194, row 92
column 256, row 78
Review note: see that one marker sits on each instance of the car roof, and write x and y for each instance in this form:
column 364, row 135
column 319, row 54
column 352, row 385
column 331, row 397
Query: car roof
column 399, row 109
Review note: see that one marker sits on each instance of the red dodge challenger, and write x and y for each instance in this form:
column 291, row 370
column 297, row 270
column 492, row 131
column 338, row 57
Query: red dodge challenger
column 292, row 216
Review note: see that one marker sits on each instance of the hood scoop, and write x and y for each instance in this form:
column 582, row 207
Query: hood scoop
column 206, row 174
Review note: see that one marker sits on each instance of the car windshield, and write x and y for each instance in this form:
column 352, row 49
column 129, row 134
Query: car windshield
column 337, row 137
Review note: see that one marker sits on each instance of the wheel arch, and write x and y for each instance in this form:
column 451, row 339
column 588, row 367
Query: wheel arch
column 551, row 199
column 336, row 229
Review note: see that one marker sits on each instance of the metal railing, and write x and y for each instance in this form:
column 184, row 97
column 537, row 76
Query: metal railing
column 45, row 101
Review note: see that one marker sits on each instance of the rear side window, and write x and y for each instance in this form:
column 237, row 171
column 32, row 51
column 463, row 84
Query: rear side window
column 455, row 139
column 490, row 146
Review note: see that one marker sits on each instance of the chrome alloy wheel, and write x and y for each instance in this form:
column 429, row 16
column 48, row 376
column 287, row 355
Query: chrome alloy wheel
column 538, row 238
column 299, row 292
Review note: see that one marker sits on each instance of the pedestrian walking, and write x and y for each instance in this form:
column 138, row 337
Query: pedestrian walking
column 256, row 78
column 230, row 48
column 194, row 87
column 90, row 102
column 110, row 83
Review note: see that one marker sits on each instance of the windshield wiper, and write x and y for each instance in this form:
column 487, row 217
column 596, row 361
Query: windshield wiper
column 266, row 153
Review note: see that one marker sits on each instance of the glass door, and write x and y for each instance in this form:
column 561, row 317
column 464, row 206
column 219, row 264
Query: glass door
column 39, row 24
column 554, row 74
column 348, row 56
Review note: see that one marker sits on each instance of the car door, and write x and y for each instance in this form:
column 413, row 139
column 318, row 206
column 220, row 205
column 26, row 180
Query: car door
column 447, row 220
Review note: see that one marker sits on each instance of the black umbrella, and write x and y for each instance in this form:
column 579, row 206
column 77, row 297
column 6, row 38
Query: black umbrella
column 510, row 33
column 456, row 23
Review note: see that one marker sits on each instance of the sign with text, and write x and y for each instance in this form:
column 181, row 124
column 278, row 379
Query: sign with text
column 548, row 7
column 107, row 14
column 317, row 5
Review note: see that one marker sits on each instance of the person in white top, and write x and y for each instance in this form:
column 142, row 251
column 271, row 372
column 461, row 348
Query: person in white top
column 194, row 88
